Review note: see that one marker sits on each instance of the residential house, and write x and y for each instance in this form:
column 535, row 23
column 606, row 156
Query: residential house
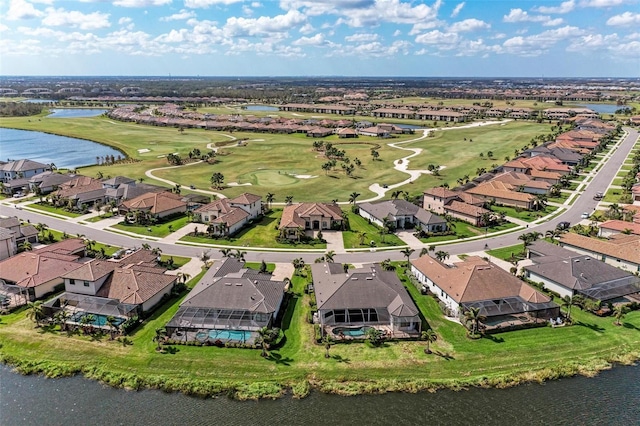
column 39, row 272
column 522, row 182
column 621, row 251
column 361, row 297
column 402, row 214
column 346, row 132
column 502, row 193
column 22, row 233
column 156, row 204
column 375, row 131
column 228, row 216
column 612, row 227
column 568, row 273
column 8, row 246
column 80, row 190
column 230, row 302
column 478, row 283
column 15, row 175
column 310, row 216
column 49, row 181
column 460, row 205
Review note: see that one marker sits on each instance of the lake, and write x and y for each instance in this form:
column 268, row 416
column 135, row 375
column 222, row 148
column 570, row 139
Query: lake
column 260, row 108
column 45, row 148
column 612, row 398
column 601, row 108
column 75, row 112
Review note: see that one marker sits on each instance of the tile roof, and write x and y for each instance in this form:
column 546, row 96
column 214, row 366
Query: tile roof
column 31, row 269
column 245, row 198
column 499, row 189
column 440, row 192
column 475, row 279
column 294, row 215
column 394, row 208
column 625, row 247
column 135, row 284
column 77, row 186
column 92, row 270
column 155, row 202
column 466, row 209
column 621, row 226
column 367, row 287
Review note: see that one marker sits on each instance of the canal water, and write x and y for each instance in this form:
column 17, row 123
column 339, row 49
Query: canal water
column 64, row 152
column 612, row 398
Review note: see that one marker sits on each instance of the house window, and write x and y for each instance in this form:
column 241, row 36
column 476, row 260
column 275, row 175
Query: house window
column 72, row 281
column 86, row 283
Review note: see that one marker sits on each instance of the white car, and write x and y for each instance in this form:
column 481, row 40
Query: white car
column 585, row 215
column 18, row 195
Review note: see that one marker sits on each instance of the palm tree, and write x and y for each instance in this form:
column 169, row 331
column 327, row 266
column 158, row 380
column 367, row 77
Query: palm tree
column 328, row 256
column 288, row 199
column 362, row 235
column 473, row 318
column 239, row 254
column 41, row 228
column 226, row 252
column 429, row 336
column 327, row 341
column 298, row 265
column 567, row 302
column 539, row 202
column 111, row 323
column 407, row 253
column 36, row 312
column 264, row 340
column 614, row 211
column 387, row 265
column 619, row 313
column 25, row 246
column 217, row 179
column 269, row 199
column 442, row 255
column 161, row 333
column 352, row 197
column 62, row 318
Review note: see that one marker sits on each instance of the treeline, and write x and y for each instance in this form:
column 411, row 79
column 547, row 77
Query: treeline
column 19, row 109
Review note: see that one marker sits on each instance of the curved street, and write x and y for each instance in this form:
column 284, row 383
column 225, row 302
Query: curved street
column 583, row 203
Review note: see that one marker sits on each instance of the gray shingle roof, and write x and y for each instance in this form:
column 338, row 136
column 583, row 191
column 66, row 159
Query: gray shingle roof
column 394, row 208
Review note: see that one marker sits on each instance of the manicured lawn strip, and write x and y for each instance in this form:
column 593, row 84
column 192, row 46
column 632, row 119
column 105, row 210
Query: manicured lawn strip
column 51, row 209
column 506, row 253
column 466, row 230
column 528, row 216
column 158, row 230
column 579, row 178
column 511, row 358
column 256, row 265
column 560, row 199
column 358, row 224
column 178, row 261
column 613, row 195
column 259, row 234
column 99, row 218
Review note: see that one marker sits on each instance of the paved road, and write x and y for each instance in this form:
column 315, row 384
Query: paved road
column 584, row 203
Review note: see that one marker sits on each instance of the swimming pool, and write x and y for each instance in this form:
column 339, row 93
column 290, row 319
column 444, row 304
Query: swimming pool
column 224, row 335
column 99, row 320
column 351, row 331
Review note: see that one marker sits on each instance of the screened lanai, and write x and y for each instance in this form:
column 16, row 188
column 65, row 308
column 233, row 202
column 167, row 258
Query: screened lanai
column 513, row 306
column 83, row 304
column 199, row 318
column 12, row 295
column 613, row 289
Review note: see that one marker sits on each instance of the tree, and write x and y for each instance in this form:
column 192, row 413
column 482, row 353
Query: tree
column 352, row 197
column 35, row 311
column 374, row 336
column 111, row 323
column 375, row 154
column 539, row 202
column 226, row 252
column 473, row 318
column 407, row 253
column 619, row 313
column 265, row 337
column 25, row 246
column 328, row 256
column 362, row 235
column 217, row 179
column 269, row 199
column 298, row 265
column 263, row 267
column 429, row 336
column 239, row 254
column 327, row 341
column 42, row 228
column 288, row 199
column 386, row 265
column 567, row 302
column 159, row 337
column 442, row 255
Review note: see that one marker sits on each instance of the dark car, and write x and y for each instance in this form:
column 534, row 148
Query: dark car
column 563, row 225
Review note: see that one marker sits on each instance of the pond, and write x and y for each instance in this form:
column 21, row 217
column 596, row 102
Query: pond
column 45, row 148
column 601, row 108
column 260, row 108
column 75, row 112
column 612, row 398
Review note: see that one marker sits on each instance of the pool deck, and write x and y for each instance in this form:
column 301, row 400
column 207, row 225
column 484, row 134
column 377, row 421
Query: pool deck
column 193, row 336
column 387, row 332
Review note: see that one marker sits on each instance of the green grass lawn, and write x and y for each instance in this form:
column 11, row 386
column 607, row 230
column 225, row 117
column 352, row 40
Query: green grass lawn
column 256, row 265
column 178, row 261
column 613, row 195
column 358, row 225
column 466, row 230
column 99, row 218
column 528, row 216
column 509, row 358
column 50, row 209
column 507, row 253
column 262, row 233
column 564, row 196
column 158, row 230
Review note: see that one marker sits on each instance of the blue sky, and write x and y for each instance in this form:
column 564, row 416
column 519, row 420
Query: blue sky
column 583, row 38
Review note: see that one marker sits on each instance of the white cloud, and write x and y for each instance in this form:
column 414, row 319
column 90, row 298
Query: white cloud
column 630, row 49
column 553, row 22
column 316, row 40
column 538, row 44
column 3, row 27
column 469, row 25
column 591, row 42
column 307, row 28
column 601, row 3
column 625, row 19
column 20, row 9
column 519, row 15
column 362, row 37
column 564, row 7
column 457, row 9
column 75, row 19
column 180, row 16
column 439, row 38
column 124, row 20
column 203, row 4
column 263, row 25
column 397, row 33
column 141, row 3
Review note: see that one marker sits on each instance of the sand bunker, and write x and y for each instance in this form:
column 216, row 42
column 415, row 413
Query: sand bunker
column 238, row 184
column 143, row 151
column 305, row 176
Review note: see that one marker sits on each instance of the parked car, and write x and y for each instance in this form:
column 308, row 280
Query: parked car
column 18, row 195
column 563, row 225
column 584, row 215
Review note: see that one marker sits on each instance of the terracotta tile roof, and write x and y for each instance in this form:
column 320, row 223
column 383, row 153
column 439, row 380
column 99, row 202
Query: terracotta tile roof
column 440, row 192
column 218, row 206
column 155, row 202
column 70, row 246
column 79, row 185
column 245, row 198
column 516, row 179
column 31, row 269
column 621, row 226
column 544, row 174
column 499, row 189
column 92, row 271
column 236, row 215
column 475, row 279
column 295, row 215
column 465, row 209
column 625, row 247
column 135, row 285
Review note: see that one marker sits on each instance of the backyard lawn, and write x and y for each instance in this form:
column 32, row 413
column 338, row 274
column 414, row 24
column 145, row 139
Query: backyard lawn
column 160, row 230
column 359, row 226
